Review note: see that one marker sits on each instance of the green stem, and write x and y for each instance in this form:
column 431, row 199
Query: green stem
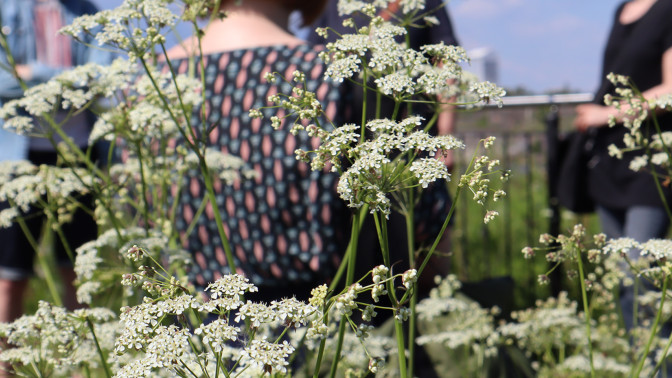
column 354, row 241
column 220, row 225
column 381, row 227
column 364, row 103
column 10, row 60
column 410, row 236
column 108, row 373
column 586, row 310
column 320, row 352
column 399, row 330
column 107, row 182
column 48, row 277
column 356, row 227
column 635, row 310
column 143, row 181
column 654, row 331
column 660, row 363
column 178, row 92
column 438, row 238
column 64, row 242
column 339, row 347
column 207, row 178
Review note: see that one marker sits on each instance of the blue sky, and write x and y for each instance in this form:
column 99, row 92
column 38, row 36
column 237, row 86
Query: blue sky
column 540, row 44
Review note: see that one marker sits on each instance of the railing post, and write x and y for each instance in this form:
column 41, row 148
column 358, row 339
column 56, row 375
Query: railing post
column 553, row 169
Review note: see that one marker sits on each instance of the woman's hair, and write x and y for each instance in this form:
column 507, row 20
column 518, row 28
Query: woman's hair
column 310, row 9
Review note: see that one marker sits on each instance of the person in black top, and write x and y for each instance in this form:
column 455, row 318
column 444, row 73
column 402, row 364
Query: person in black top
column 640, row 47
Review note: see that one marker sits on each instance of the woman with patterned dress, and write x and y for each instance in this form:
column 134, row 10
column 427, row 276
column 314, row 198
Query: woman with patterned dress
column 287, row 227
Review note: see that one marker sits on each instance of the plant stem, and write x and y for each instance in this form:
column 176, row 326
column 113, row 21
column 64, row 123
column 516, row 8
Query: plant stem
column 349, row 279
column 586, row 310
column 143, row 180
column 401, row 346
column 660, row 363
column 108, row 373
column 438, row 238
column 364, row 103
column 356, row 227
column 381, row 227
column 320, row 353
column 654, row 331
column 410, row 237
column 48, row 277
column 339, row 347
column 207, row 179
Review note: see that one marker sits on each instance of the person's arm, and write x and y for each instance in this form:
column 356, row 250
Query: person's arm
column 10, row 87
column 445, row 125
column 593, row 115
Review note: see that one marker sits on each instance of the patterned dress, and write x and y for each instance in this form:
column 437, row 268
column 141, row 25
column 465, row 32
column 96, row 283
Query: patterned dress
column 287, row 226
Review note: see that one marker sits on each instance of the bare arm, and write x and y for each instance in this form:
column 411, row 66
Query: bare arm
column 445, row 125
column 593, row 115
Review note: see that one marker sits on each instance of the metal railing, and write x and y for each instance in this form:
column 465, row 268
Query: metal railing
column 531, row 206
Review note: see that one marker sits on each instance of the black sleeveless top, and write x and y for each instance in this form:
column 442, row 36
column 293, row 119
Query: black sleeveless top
column 634, row 50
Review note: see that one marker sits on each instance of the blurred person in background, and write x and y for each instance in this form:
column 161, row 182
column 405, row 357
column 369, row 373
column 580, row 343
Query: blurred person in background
column 30, row 28
column 287, row 226
column 627, row 202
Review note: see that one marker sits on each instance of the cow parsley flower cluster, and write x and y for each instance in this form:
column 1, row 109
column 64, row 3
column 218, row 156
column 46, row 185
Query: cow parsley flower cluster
column 29, row 187
column 57, row 338
column 645, row 143
column 135, row 26
column 374, row 173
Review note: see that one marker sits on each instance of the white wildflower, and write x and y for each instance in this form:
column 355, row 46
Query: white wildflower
column 657, row 248
column 429, row 170
column 291, row 311
column 379, row 274
column 409, row 278
column 396, row 84
column 256, row 313
column 343, row 68
column 489, row 216
column 660, row 159
column 620, row 246
column 375, row 364
column 230, row 285
column 402, row 314
column 318, row 295
column 317, row 330
column 217, row 333
column 222, row 304
column 487, row 92
column 345, row 302
column 7, row 217
column 86, row 290
column 269, row 357
column 363, row 330
column 408, row 6
column 369, row 313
